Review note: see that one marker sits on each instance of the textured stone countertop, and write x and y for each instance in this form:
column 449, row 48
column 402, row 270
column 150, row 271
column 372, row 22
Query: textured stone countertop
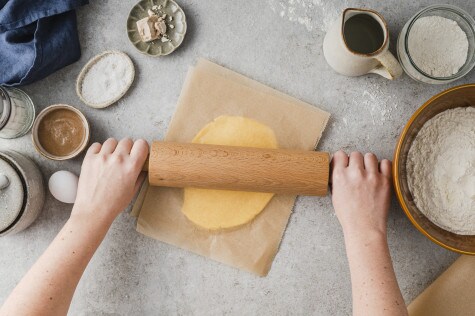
column 278, row 43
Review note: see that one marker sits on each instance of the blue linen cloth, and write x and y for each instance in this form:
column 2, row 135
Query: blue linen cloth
column 37, row 37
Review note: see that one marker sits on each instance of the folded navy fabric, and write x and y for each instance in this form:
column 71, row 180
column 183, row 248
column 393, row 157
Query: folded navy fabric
column 37, row 37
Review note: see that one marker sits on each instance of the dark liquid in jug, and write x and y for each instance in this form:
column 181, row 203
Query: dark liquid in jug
column 363, row 34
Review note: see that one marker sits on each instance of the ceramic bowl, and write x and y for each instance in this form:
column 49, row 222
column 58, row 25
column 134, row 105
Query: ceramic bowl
column 34, row 191
column 460, row 96
column 157, row 48
column 91, row 63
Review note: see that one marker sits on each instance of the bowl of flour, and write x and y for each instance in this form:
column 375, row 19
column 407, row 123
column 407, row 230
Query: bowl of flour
column 437, row 45
column 434, row 169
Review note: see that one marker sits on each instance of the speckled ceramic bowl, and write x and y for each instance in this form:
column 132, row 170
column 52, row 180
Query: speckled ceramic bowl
column 90, row 64
column 176, row 35
column 33, row 193
column 460, row 96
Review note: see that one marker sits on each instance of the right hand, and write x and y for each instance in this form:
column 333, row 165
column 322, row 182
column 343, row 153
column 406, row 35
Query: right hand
column 110, row 177
column 361, row 192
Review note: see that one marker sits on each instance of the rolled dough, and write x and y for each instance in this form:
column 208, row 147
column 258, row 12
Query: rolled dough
column 224, row 209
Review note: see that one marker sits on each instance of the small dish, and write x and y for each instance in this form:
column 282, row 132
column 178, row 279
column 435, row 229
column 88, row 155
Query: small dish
column 68, row 124
column 157, row 48
column 129, row 79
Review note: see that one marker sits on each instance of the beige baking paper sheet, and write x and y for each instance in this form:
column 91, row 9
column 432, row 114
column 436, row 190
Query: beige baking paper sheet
column 208, row 92
column 451, row 294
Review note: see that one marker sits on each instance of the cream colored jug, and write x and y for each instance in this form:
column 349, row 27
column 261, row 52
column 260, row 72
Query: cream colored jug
column 350, row 62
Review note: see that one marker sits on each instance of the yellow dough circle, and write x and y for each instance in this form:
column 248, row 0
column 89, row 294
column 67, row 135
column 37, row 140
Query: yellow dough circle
column 224, row 209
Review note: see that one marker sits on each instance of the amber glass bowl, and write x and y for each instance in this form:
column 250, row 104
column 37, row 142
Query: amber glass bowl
column 460, row 96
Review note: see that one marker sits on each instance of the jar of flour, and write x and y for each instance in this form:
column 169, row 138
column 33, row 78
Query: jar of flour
column 437, row 44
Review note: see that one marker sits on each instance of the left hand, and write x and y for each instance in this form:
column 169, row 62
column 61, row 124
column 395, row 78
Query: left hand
column 110, row 178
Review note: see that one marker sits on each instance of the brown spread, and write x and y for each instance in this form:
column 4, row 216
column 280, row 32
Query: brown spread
column 61, row 132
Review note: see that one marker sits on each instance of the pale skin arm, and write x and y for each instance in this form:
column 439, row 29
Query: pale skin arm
column 110, row 176
column 361, row 197
column 110, row 172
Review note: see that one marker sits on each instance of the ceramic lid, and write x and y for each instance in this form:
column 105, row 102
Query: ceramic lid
column 5, row 107
column 11, row 194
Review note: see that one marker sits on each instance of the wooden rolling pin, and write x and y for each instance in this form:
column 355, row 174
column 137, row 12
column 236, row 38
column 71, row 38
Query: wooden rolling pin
column 239, row 168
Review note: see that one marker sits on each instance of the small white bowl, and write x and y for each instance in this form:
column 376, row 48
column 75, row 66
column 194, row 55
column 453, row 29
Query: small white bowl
column 87, row 68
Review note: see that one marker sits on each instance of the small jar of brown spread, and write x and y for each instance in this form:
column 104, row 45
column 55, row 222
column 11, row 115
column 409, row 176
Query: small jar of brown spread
column 60, row 132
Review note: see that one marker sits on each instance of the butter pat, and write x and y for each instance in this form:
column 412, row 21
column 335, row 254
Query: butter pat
column 152, row 27
column 147, row 29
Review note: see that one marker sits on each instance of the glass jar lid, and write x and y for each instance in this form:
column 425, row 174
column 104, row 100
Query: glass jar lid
column 11, row 194
column 5, row 107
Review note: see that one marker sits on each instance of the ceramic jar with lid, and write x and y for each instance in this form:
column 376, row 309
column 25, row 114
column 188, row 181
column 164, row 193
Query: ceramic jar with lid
column 17, row 112
column 22, row 192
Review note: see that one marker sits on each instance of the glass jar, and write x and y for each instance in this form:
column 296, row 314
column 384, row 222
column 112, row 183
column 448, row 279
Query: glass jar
column 465, row 22
column 17, row 113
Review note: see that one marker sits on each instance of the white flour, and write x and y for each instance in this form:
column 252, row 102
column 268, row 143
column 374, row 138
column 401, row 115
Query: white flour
column 438, row 46
column 313, row 14
column 107, row 79
column 441, row 170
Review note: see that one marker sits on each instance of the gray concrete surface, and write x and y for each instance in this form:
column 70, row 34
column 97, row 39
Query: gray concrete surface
column 275, row 42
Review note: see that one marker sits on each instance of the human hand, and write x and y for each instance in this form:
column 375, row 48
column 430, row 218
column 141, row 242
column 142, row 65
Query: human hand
column 361, row 192
column 110, row 177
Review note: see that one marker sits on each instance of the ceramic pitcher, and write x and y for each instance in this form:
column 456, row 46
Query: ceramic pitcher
column 349, row 62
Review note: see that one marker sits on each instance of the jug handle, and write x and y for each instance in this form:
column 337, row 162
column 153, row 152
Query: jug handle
column 388, row 66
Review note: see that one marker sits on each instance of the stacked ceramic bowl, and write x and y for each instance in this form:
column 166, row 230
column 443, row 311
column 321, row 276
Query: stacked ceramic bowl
column 21, row 192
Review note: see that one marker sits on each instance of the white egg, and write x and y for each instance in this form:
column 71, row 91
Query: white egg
column 63, row 185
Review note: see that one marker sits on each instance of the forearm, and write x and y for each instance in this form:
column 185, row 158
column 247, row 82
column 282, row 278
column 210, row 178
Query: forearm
column 48, row 287
column 374, row 285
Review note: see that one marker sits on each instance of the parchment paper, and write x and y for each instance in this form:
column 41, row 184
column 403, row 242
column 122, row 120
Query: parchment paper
column 208, row 92
column 451, row 294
